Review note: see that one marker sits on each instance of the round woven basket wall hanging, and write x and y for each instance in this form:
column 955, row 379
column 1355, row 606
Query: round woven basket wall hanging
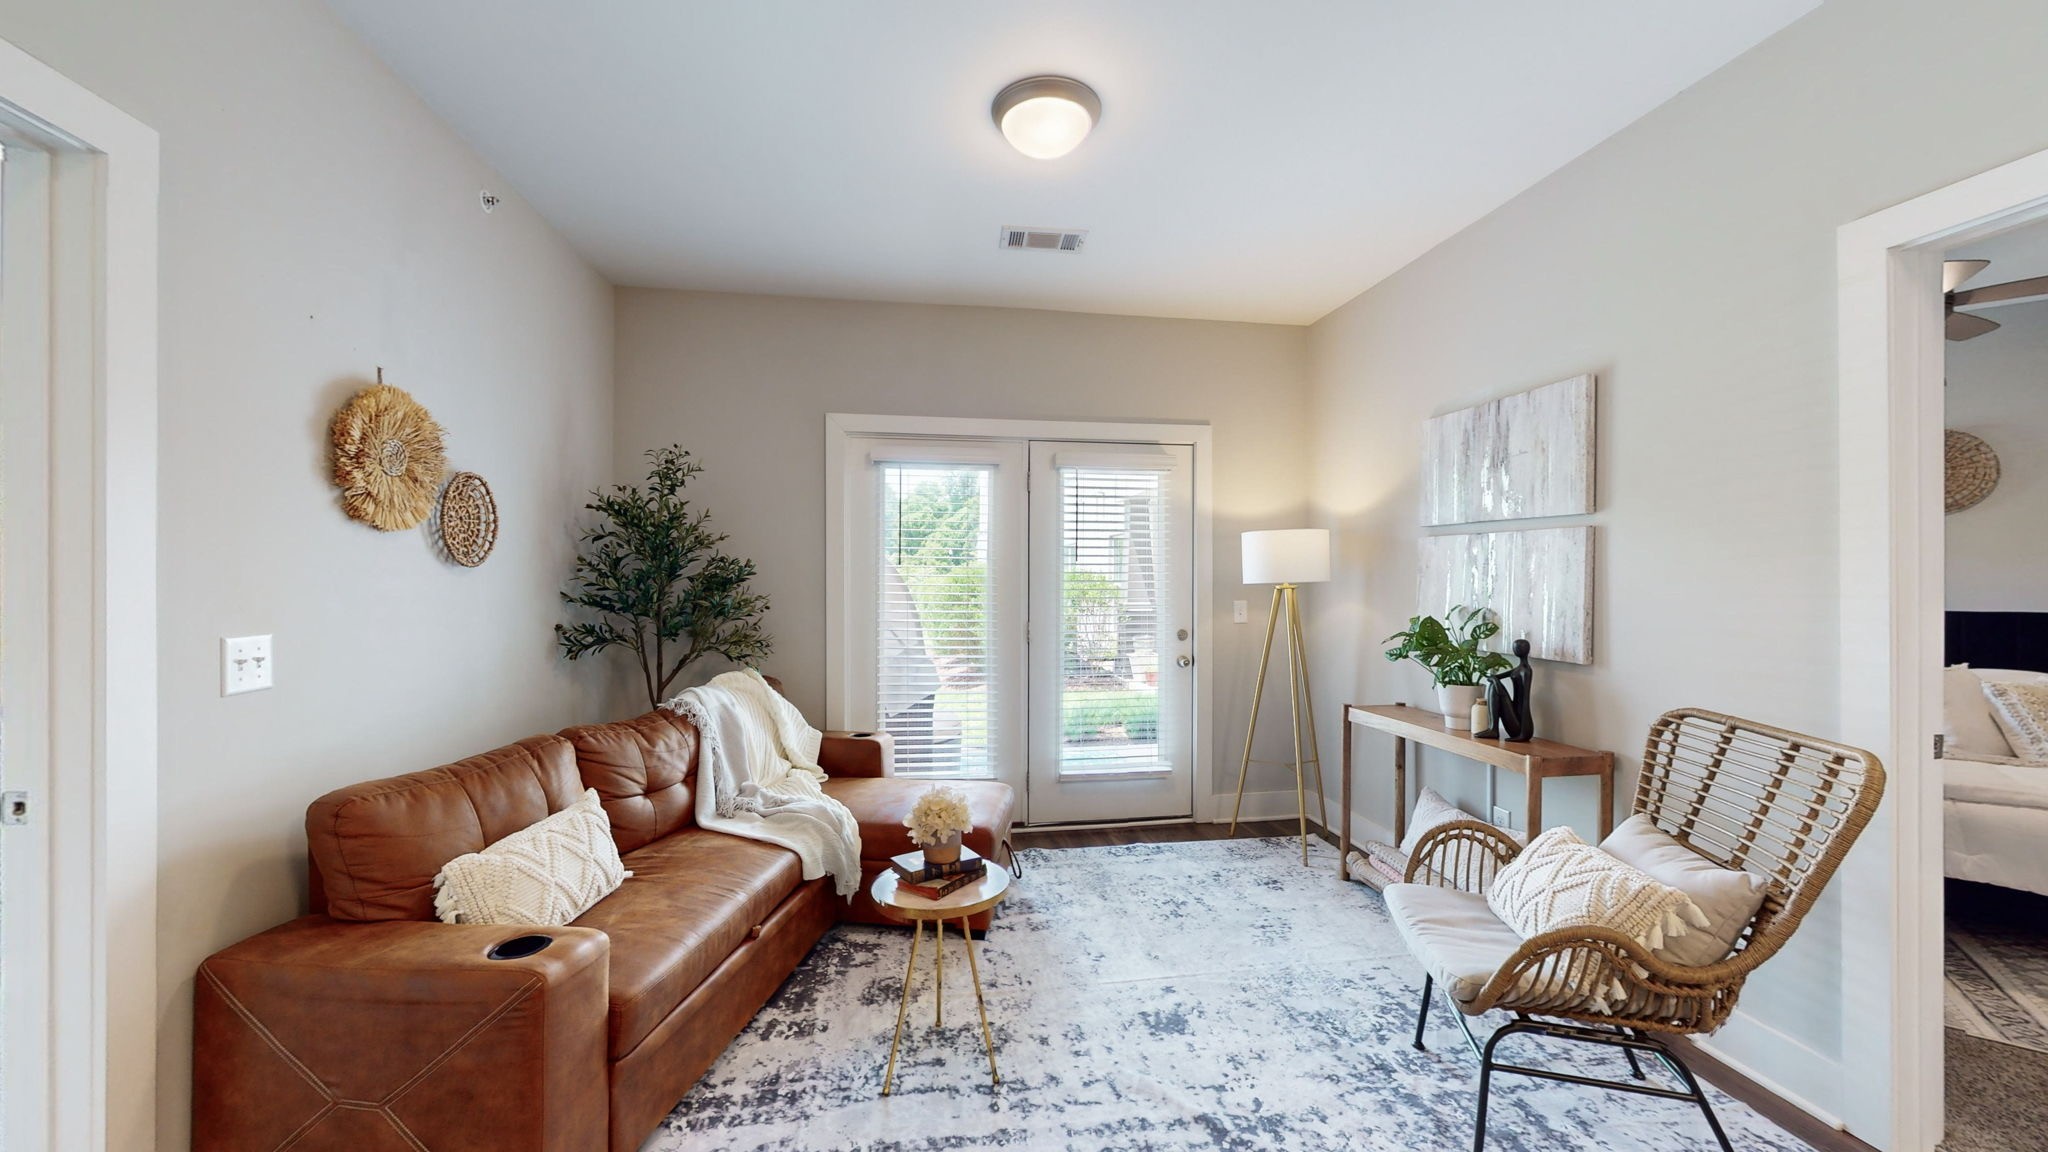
column 1971, row 471
column 388, row 459
column 469, row 519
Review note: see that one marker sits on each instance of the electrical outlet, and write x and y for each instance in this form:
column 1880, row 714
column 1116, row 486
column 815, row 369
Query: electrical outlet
column 1240, row 612
column 1500, row 818
column 245, row 664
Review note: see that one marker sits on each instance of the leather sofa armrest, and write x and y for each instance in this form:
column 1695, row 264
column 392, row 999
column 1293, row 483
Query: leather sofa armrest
column 322, row 1023
column 848, row 754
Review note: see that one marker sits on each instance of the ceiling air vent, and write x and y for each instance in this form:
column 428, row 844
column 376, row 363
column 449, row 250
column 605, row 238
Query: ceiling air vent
column 1041, row 240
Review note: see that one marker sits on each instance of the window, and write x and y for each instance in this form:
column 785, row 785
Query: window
column 935, row 679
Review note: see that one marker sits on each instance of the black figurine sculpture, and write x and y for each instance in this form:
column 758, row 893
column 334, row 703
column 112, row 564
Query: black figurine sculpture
column 1507, row 700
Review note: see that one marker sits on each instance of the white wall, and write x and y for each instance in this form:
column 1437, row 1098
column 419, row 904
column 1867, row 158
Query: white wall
column 745, row 383
column 1690, row 262
column 1998, row 390
column 318, row 222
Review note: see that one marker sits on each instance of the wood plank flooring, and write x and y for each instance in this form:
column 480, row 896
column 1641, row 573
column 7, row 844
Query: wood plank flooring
column 1793, row 1120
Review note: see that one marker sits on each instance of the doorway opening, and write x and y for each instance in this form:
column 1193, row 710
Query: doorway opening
column 1890, row 443
column 1994, row 755
column 78, row 668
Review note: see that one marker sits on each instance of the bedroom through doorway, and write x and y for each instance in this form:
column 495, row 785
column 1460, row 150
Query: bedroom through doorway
column 1994, row 751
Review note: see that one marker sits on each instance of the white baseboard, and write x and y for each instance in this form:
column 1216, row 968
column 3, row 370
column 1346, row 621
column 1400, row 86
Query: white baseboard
column 1279, row 804
column 1743, row 1022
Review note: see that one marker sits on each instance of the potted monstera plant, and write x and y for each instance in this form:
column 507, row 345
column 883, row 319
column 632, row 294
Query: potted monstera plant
column 1450, row 650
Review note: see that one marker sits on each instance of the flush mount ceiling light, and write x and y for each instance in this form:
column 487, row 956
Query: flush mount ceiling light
column 1046, row 117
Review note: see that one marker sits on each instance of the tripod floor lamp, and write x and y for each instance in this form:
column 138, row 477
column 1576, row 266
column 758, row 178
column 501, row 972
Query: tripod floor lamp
column 1285, row 559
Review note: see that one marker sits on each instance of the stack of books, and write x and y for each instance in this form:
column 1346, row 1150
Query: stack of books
column 919, row 877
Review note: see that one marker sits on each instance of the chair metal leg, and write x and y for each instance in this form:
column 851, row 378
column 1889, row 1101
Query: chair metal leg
column 1422, row 1016
column 1630, row 1041
column 1692, row 1082
column 1485, row 1079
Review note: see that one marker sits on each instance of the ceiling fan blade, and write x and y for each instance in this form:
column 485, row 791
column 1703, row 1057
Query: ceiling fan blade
column 1963, row 326
column 2010, row 292
column 1955, row 273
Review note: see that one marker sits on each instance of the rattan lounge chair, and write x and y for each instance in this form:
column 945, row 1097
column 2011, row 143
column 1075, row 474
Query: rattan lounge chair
column 1777, row 804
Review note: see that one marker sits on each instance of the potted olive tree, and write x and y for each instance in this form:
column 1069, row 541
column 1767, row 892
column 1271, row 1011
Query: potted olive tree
column 653, row 579
column 1450, row 650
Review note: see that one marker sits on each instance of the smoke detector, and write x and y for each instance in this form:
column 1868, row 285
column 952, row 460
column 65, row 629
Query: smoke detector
column 1041, row 239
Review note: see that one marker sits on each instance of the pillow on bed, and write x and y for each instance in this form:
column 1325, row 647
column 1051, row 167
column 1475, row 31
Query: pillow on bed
column 1967, row 727
column 2022, row 712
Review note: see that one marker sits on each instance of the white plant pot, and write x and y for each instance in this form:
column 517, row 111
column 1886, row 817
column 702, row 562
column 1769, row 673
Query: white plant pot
column 1455, row 702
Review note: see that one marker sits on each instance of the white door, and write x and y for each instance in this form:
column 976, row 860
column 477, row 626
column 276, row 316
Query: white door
column 1111, row 634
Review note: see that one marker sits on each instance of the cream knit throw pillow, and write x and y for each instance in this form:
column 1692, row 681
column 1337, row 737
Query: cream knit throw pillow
column 2022, row 713
column 547, row 873
column 1560, row 881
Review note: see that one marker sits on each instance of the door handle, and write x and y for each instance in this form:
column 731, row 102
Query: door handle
column 1186, row 661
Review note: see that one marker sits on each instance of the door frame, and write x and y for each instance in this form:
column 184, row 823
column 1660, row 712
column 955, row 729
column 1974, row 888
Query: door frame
column 841, row 428
column 100, row 810
column 1891, row 551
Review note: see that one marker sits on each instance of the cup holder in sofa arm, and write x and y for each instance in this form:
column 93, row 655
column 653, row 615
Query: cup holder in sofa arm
column 861, row 735
column 519, row 947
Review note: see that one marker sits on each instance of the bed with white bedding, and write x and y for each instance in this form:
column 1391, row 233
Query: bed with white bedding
column 1995, row 823
column 1994, row 804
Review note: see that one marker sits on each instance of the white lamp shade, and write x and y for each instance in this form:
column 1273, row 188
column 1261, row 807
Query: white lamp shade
column 1287, row 556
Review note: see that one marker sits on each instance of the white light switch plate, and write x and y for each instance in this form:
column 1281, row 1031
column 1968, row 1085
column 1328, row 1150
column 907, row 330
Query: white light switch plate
column 1240, row 612
column 245, row 664
column 1500, row 818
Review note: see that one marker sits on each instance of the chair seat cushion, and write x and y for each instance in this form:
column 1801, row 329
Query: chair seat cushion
column 692, row 900
column 1453, row 934
column 879, row 804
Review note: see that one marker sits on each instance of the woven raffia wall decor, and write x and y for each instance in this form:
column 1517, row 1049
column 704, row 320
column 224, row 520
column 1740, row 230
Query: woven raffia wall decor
column 1971, row 471
column 469, row 519
column 388, row 459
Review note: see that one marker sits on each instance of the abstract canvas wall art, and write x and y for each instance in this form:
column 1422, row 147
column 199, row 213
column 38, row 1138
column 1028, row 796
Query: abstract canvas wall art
column 1516, row 458
column 1538, row 581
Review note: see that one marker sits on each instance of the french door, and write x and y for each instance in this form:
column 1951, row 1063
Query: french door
column 1023, row 610
column 1112, row 620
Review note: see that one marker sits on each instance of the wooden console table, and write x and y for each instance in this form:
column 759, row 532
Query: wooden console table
column 1536, row 760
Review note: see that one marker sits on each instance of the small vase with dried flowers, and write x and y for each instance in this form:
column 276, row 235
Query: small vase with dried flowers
column 937, row 821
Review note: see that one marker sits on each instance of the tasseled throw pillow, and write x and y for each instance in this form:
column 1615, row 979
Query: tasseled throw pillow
column 550, row 872
column 1560, row 881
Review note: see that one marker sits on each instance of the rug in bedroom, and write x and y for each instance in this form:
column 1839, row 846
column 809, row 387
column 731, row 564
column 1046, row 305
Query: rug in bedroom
column 1156, row 996
column 1996, row 959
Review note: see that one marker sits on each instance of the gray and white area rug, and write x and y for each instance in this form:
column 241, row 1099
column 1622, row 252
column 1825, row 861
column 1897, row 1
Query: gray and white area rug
column 1998, row 982
column 1158, row 996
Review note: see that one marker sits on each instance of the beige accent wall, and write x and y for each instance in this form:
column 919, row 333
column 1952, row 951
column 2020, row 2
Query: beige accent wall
column 1690, row 262
column 745, row 383
column 1998, row 390
column 318, row 221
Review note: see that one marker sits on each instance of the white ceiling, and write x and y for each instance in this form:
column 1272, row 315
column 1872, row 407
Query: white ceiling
column 1255, row 161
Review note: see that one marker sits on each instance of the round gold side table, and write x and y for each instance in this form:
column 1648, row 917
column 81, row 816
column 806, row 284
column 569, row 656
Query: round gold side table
column 971, row 900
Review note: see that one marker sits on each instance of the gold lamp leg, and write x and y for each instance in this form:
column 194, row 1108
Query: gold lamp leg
column 903, row 1008
column 1308, row 707
column 1294, row 716
column 1258, row 694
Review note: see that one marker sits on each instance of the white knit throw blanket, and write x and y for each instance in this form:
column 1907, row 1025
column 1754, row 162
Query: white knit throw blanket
column 758, row 776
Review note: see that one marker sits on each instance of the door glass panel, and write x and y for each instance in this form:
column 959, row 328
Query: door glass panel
column 935, row 674
column 1113, row 528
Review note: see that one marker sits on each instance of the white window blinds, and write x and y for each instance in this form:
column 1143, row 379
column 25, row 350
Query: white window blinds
column 1113, row 538
column 935, row 672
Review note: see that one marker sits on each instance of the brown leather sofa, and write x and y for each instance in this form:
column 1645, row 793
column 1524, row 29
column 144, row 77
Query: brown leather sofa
column 370, row 1024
